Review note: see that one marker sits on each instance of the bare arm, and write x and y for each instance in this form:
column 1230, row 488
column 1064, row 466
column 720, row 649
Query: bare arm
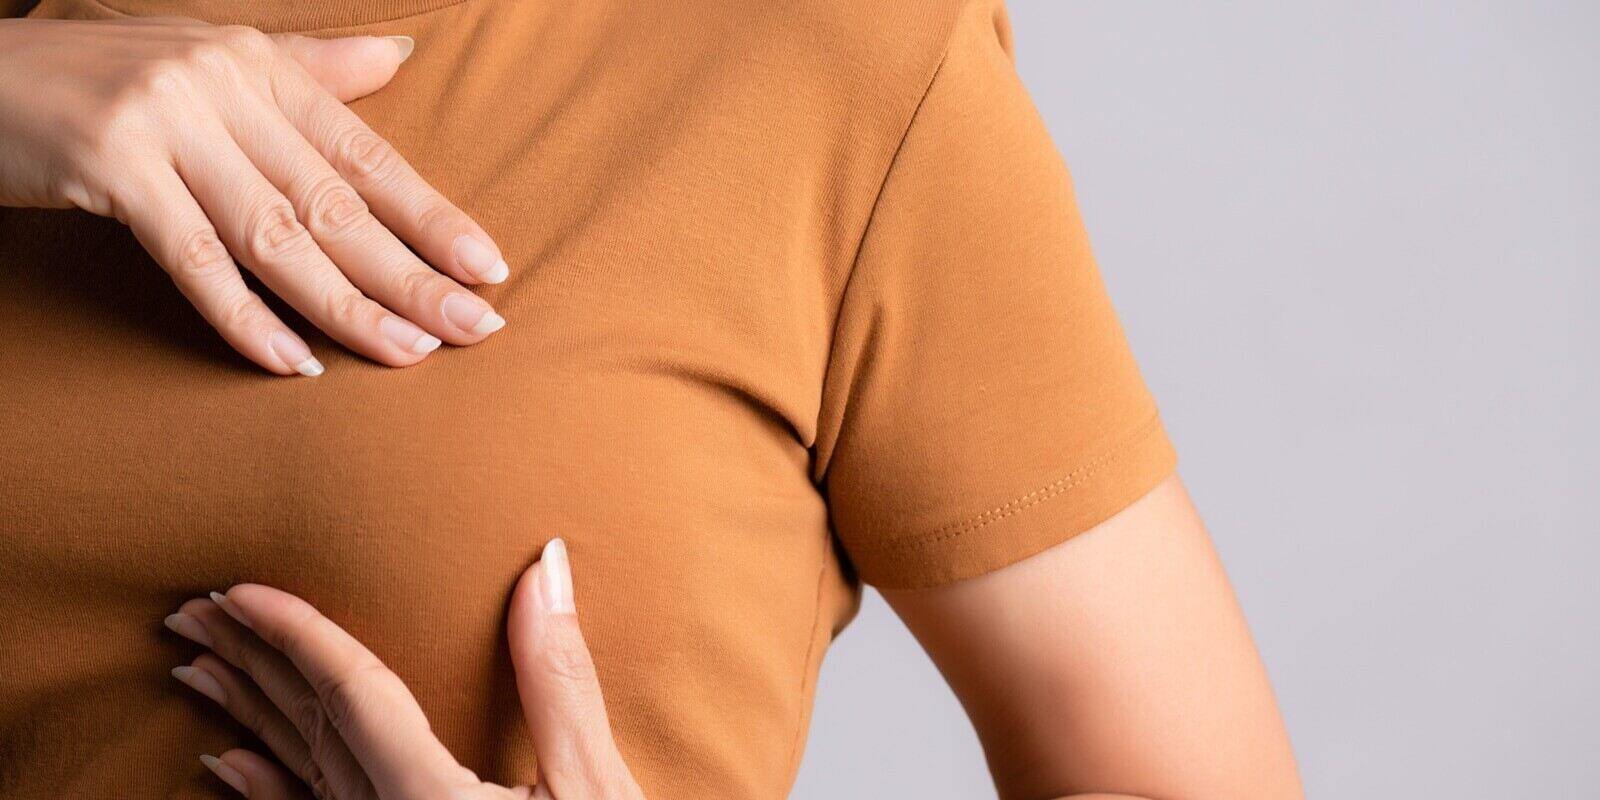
column 1116, row 662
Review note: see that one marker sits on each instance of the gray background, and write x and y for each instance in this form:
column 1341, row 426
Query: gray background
column 1355, row 245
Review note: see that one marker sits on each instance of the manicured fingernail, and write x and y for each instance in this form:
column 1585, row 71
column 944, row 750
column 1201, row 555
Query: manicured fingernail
column 227, row 605
column 228, row 774
column 405, row 44
column 201, row 681
column 556, row 583
column 479, row 259
column 294, row 354
column 410, row 337
column 472, row 315
column 188, row 627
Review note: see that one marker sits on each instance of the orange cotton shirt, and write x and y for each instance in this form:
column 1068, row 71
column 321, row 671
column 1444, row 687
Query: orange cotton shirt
column 799, row 299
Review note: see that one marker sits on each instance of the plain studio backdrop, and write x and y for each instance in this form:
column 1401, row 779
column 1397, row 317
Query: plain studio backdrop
column 1355, row 246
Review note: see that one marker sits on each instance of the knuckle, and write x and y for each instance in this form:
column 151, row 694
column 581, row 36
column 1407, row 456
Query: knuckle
column 240, row 314
column 242, row 658
column 346, row 696
column 250, row 715
column 359, row 152
column 305, row 709
column 333, row 208
column 275, row 234
column 293, row 639
column 309, row 771
column 210, row 57
column 419, row 286
column 289, row 636
column 569, row 663
column 245, row 42
column 437, row 215
column 321, row 789
column 348, row 308
column 162, row 78
column 201, row 254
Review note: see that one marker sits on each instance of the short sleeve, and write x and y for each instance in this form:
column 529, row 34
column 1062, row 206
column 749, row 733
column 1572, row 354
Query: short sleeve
column 981, row 403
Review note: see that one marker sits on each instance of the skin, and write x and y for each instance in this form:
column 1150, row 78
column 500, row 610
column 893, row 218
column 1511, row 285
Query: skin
column 222, row 147
column 1114, row 665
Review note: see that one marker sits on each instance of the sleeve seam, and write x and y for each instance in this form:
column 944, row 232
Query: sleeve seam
column 1077, row 477
column 877, row 202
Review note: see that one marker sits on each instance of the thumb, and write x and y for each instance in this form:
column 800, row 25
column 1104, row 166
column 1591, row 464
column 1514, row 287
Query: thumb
column 559, row 688
column 351, row 66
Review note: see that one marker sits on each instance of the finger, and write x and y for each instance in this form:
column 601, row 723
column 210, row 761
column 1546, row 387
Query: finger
column 368, row 704
column 259, row 226
column 372, row 258
column 334, row 770
column 174, row 229
column 256, row 777
column 348, row 67
column 405, row 203
column 242, row 698
column 559, row 688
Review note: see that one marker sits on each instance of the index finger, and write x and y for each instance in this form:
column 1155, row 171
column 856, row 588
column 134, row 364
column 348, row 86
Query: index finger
column 406, row 204
column 374, row 712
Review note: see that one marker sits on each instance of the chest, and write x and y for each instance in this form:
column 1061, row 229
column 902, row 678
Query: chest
column 142, row 463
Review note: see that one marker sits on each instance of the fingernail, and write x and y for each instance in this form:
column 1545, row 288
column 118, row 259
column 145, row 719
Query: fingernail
column 479, row 259
column 227, row 605
column 410, row 337
column 228, row 774
column 294, row 354
column 556, row 583
column 472, row 315
column 188, row 627
column 405, row 44
column 201, row 681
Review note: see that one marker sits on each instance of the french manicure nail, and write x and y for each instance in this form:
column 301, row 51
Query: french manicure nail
column 201, row 681
column 479, row 259
column 294, row 354
column 405, row 44
column 228, row 774
column 227, row 605
column 472, row 315
column 188, row 627
column 556, row 583
column 409, row 337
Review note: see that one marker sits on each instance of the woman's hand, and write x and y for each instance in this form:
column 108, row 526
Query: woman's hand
column 216, row 143
column 346, row 727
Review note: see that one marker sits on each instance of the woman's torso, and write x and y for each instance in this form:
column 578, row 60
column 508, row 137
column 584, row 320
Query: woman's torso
column 679, row 188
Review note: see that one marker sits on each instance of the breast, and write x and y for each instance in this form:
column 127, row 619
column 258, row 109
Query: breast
column 142, row 463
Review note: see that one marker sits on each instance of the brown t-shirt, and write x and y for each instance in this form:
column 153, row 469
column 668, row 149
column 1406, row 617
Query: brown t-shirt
column 799, row 298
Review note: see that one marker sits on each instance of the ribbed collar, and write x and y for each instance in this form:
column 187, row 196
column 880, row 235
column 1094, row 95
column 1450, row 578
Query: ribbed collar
column 281, row 15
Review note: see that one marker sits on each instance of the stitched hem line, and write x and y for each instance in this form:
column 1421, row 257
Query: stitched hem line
column 1056, row 488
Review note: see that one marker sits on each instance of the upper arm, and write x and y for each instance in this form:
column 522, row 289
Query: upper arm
column 1117, row 661
column 981, row 409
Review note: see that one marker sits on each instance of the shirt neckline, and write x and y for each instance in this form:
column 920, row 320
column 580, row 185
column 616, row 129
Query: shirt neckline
column 280, row 15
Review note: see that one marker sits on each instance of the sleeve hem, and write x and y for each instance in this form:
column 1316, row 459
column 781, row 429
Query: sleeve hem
column 1030, row 523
